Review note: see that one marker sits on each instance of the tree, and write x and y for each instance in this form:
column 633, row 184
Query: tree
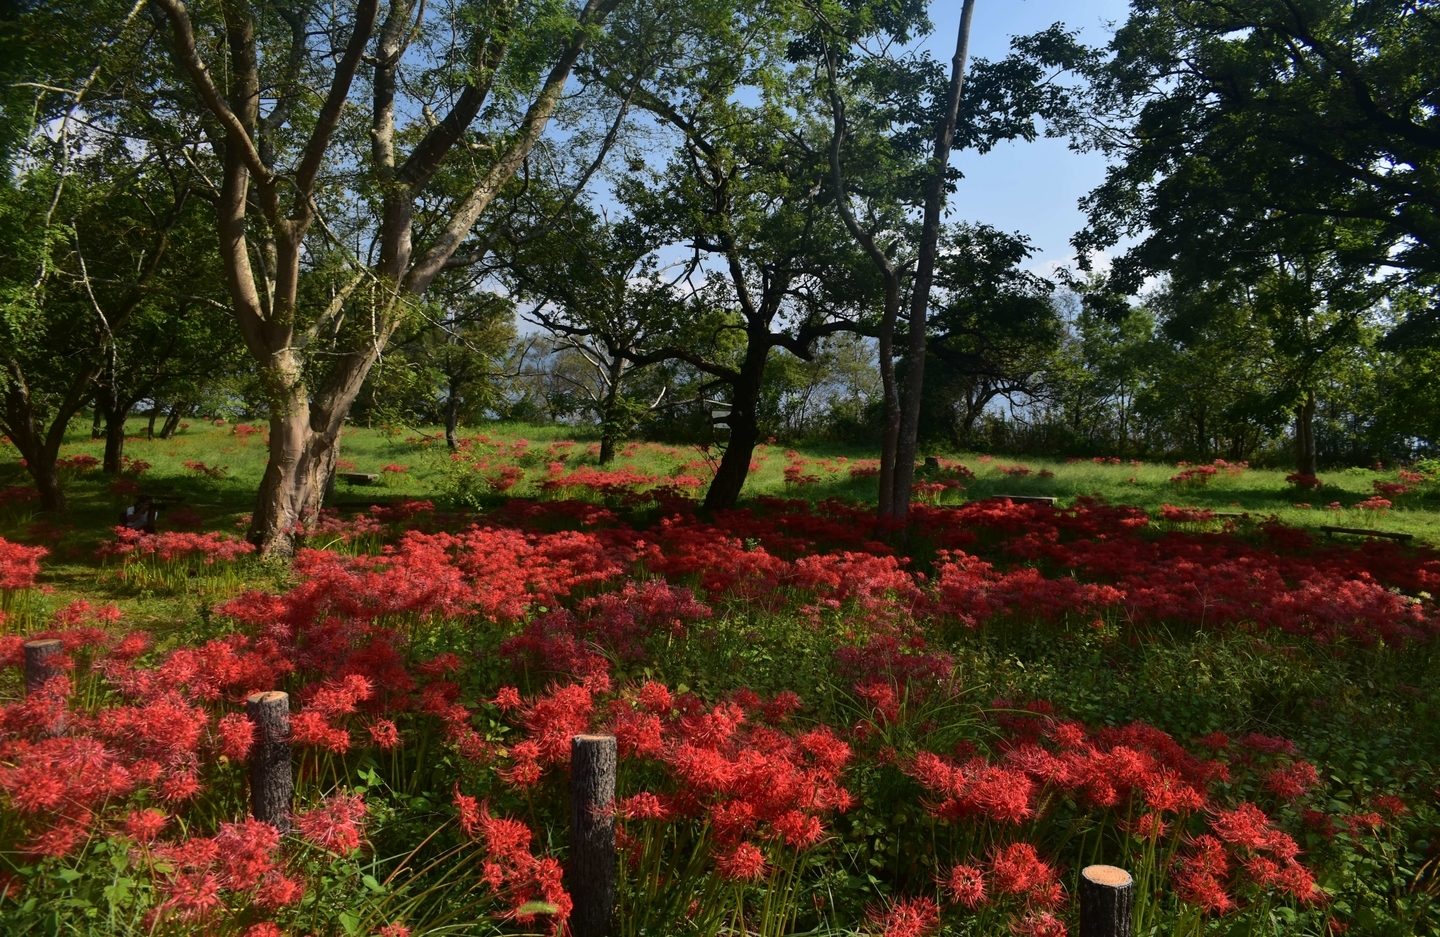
column 1229, row 120
column 76, row 295
column 1213, row 374
column 740, row 191
column 893, row 123
column 446, row 364
column 597, row 287
column 995, row 326
column 285, row 169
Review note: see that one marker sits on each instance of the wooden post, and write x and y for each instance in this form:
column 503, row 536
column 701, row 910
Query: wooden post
column 592, row 834
column 41, row 665
column 272, row 786
column 1107, row 902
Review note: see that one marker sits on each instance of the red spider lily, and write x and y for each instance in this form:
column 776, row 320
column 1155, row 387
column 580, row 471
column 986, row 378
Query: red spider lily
column 1017, row 869
column 1293, row 781
column 19, row 565
column 145, row 825
column 384, row 735
column 965, row 885
column 515, row 875
column 236, row 735
column 743, row 863
column 908, row 917
column 209, row 548
column 1201, row 877
column 1038, row 924
column 1390, row 805
column 335, row 824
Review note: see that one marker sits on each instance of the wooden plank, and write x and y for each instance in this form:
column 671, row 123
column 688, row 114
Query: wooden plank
column 1363, row 532
column 359, row 478
column 1033, row 499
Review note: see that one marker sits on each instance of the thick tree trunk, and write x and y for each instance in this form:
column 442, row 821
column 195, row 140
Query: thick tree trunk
column 925, row 271
column 40, row 459
column 724, row 491
column 734, row 467
column 115, row 438
column 40, row 463
column 609, row 418
column 1306, row 455
column 97, row 423
column 293, row 489
column 303, row 448
column 172, row 420
column 39, row 445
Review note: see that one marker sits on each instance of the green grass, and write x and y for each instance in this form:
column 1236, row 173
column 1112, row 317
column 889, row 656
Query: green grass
column 223, row 503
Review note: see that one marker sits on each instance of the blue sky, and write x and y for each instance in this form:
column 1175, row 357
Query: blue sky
column 1031, row 188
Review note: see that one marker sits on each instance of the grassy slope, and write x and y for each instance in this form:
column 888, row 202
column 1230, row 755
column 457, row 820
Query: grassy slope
column 224, row 502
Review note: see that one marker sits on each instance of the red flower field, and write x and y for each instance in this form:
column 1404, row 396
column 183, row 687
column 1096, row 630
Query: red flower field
column 797, row 696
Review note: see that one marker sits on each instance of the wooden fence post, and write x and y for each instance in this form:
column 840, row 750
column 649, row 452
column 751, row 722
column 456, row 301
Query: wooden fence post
column 41, row 665
column 1107, row 902
column 592, row 834
column 272, row 786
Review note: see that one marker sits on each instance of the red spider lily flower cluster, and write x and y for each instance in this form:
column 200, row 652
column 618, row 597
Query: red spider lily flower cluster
column 1196, row 477
column 510, row 870
column 1185, row 515
column 208, row 548
column 208, row 471
column 83, row 462
column 575, row 595
column 19, row 565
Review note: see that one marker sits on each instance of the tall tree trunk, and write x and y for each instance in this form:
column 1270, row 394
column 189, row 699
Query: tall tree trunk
column 155, row 412
column 1306, row 455
column 40, row 459
column 925, row 271
column 115, row 436
column 97, row 423
column 304, row 445
column 890, row 394
column 172, row 420
column 452, row 416
column 38, row 444
column 609, row 418
column 724, row 491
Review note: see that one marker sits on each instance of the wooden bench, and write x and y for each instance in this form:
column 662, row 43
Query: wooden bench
column 358, row 478
column 1362, row 532
column 367, row 504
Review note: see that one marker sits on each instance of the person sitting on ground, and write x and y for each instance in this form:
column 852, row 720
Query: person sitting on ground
column 141, row 515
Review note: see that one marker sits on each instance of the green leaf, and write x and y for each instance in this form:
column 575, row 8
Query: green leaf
column 119, row 893
column 350, row 921
column 69, row 875
column 372, row 883
column 536, row 907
